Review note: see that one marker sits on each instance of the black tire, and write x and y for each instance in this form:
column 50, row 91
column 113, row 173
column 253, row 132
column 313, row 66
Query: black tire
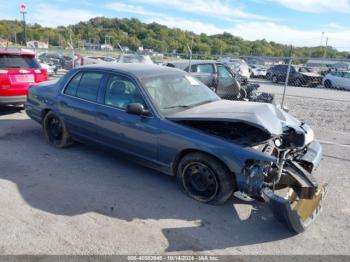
column 55, row 131
column 328, row 84
column 268, row 76
column 205, row 179
column 274, row 79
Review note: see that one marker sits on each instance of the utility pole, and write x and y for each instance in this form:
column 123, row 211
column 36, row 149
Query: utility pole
column 325, row 50
column 15, row 35
column 322, row 36
column 287, row 77
column 23, row 11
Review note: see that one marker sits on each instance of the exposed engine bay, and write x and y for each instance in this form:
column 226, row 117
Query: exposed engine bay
column 286, row 183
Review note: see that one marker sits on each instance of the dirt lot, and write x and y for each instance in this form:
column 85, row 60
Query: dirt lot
column 85, row 200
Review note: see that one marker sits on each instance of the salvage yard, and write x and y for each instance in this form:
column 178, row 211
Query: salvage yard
column 85, row 200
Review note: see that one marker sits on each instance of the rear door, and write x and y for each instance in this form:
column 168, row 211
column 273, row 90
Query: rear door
column 78, row 103
column 205, row 73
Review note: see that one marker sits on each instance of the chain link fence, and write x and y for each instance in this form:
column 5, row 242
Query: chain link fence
column 269, row 72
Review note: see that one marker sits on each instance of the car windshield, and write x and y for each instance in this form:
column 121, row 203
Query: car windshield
column 176, row 92
column 18, row 61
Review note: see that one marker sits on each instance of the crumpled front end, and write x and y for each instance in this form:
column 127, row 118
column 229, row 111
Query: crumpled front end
column 287, row 184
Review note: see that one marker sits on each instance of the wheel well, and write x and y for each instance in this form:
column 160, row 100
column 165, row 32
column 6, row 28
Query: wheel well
column 189, row 151
column 44, row 113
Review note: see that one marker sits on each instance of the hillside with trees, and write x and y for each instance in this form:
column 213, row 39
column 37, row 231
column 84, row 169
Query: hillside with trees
column 134, row 33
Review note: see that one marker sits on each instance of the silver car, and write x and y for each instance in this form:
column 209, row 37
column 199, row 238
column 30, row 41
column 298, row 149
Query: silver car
column 337, row 79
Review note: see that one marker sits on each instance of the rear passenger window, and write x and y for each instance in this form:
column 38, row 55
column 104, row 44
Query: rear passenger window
column 89, row 85
column 72, row 87
column 205, row 68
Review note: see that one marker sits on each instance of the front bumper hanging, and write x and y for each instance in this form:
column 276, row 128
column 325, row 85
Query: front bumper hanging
column 296, row 214
column 302, row 203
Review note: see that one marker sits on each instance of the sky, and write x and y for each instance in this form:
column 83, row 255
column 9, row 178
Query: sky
column 296, row 22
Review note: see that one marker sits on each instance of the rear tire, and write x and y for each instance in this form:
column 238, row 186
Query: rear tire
column 55, row 131
column 205, row 179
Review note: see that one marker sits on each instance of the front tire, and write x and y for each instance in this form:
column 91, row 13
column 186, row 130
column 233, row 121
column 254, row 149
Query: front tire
column 55, row 131
column 328, row 84
column 205, row 179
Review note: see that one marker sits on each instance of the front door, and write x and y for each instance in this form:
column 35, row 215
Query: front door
column 116, row 128
column 227, row 87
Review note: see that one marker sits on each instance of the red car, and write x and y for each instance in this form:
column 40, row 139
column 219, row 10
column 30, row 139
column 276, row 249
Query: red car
column 18, row 70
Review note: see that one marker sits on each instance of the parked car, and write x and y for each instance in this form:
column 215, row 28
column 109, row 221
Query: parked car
column 59, row 60
column 215, row 75
column 50, row 69
column 169, row 120
column 90, row 60
column 297, row 77
column 135, row 59
column 18, row 69
column 238, row 66
column 257, row 71
column 337, row 79
column 220, row 78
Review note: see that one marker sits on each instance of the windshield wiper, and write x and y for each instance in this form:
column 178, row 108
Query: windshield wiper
column 189, row 105
column 176, row 106
column 202, row 102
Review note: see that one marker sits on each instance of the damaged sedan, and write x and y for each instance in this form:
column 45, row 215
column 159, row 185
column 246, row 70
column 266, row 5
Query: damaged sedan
column 168, row 120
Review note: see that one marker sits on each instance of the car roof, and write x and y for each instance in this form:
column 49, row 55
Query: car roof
column 16, row 52
column 138, row 70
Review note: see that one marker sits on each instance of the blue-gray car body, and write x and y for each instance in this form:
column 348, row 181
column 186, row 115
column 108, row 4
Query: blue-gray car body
column 159, row 140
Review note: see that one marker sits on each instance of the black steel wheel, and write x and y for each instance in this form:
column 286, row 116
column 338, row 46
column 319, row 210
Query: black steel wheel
column 204, row 178
column 55, row 131
column 200, row 181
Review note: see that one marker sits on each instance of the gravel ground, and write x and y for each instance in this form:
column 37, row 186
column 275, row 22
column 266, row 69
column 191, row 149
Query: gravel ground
column 85, row 200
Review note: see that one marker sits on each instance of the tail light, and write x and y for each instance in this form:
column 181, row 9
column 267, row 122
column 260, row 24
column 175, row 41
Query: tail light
column 4, row 79
column 40, row 75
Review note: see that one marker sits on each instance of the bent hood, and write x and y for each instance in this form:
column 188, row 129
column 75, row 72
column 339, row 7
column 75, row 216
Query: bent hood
column 265, row 116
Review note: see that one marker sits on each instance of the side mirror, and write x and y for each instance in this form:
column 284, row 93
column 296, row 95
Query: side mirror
column 137, row 109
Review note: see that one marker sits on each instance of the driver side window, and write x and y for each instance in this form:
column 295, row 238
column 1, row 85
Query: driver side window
column 224, row 73
column 121, row 91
